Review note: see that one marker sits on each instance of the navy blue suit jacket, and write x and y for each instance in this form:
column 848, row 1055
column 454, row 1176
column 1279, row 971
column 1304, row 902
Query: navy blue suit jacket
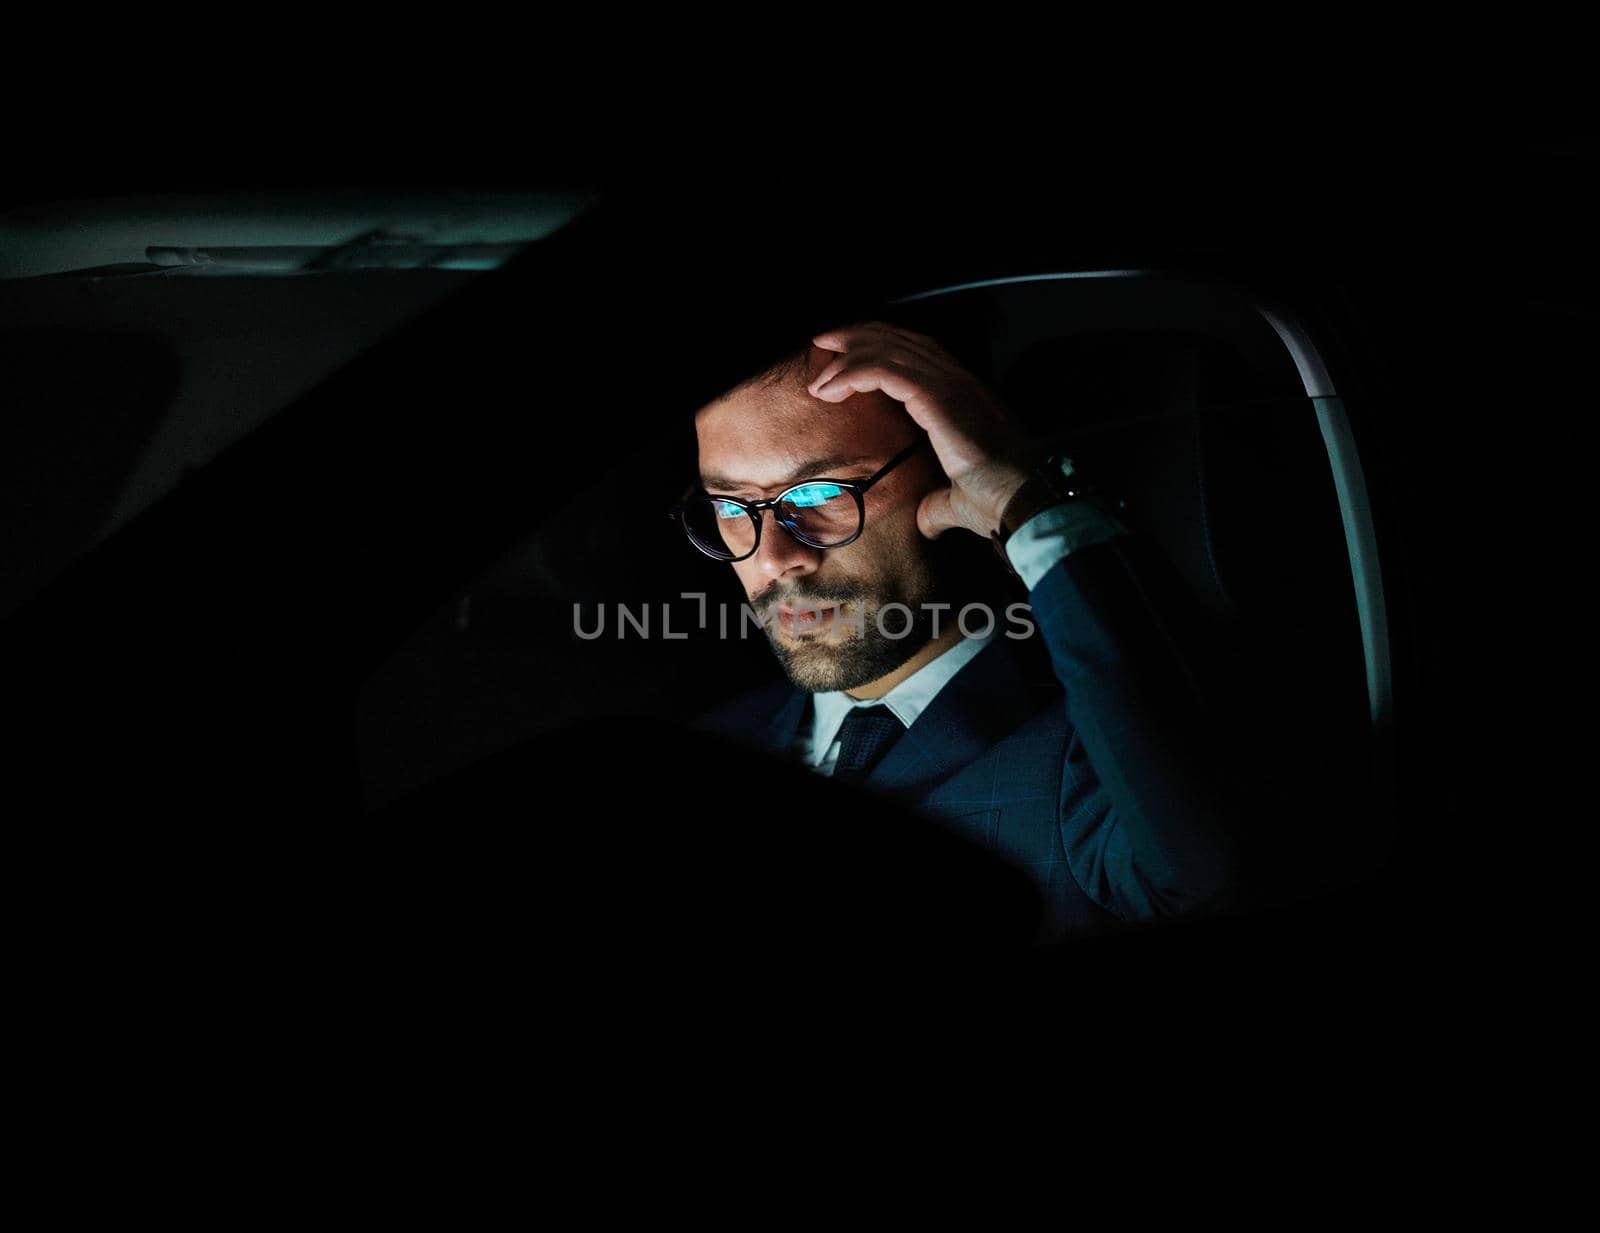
column 1107, row 785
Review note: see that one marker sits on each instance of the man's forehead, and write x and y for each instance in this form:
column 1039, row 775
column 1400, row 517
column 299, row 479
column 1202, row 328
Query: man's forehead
column 778, row 470
column 759, row 444
column 765, row 417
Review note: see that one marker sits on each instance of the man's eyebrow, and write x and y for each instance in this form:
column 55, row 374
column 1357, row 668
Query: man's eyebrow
column 811, row 468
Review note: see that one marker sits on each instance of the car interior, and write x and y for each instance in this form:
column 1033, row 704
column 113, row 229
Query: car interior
column 182, row 372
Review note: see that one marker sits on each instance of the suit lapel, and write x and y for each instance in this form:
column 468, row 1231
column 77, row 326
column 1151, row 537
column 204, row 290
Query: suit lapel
column 779, row 733
column 991, row 696
column 985, row 700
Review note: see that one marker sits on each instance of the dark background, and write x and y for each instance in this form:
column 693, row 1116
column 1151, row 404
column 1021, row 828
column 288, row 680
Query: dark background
column 1460, row 269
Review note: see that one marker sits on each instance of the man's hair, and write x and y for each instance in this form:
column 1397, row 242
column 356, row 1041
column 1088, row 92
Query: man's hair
column 791, row 369
column 962, row 326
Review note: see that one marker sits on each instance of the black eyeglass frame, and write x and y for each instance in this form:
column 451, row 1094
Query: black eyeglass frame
column 856, row 488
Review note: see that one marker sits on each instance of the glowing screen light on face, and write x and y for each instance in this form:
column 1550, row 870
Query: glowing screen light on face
column 814, row 494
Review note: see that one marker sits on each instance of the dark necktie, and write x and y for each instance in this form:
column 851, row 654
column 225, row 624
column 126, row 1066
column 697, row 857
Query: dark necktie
column 866, row 734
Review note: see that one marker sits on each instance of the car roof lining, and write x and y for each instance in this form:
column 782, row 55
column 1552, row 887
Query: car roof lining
column 276, row 233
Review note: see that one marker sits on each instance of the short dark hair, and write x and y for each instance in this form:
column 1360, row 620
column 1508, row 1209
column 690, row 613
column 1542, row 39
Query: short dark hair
column 791, row 368
column 961, row 324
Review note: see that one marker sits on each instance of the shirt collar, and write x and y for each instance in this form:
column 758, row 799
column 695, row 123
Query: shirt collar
column 906, row 700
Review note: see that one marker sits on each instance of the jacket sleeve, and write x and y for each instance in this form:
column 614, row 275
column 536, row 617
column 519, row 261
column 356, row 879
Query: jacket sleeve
column 1149, row 804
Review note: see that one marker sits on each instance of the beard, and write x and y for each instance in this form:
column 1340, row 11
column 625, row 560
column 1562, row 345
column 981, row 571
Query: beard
column 854, row 651
column 844, row 657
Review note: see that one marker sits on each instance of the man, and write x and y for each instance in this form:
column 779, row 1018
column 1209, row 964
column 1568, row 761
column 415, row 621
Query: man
column 833, row 484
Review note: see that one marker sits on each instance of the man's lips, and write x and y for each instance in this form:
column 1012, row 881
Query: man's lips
column 805, row 615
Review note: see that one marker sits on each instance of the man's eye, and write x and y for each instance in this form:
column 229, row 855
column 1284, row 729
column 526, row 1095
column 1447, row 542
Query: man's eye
column 726, row 509
column 814, row 494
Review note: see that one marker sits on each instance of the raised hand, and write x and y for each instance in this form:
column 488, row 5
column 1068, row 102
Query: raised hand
column 978, row 440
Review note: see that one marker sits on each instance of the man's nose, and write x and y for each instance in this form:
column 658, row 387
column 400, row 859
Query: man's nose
column 781, row 553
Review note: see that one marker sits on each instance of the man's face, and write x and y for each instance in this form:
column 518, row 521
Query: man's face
column 756, row 442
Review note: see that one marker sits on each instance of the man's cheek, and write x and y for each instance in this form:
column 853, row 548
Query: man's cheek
column 748, row 580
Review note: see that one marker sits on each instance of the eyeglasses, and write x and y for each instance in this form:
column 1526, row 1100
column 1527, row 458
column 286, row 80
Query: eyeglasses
column 820, row 513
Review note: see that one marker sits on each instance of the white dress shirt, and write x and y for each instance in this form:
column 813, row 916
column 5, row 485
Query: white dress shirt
column 1033, row 548
column 818, row 745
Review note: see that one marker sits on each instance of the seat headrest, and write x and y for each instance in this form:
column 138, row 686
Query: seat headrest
column 1221, row 465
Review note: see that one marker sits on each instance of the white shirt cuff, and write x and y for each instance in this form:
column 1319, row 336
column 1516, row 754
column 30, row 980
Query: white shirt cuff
column 1052, row 533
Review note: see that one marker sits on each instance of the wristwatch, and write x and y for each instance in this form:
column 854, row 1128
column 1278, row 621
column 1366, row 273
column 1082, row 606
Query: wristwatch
column 1050, row 482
